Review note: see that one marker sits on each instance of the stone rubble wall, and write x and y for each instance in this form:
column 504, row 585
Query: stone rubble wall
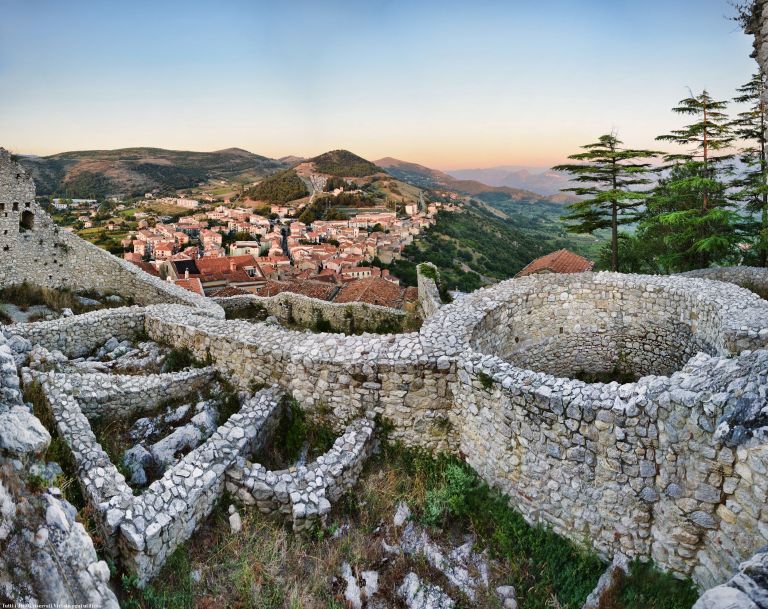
column 80, row 335
column 749, row 277
column 429, row 295
column 745, row 590
column 104, row 487
column 642, row 326
column 334, row 377
column 124, row 395
column 143, row 530
column 45, row 255
column 635, row 468
column 169, row 511
column 303, row 496
column 349, row 318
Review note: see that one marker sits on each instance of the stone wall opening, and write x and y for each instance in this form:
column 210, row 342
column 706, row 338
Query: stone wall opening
column 26, row 221
column 598, row 334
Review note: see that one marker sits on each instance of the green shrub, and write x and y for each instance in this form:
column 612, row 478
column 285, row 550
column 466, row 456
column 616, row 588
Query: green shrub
column 645, row 587
column 179, row 359
column 486, row 380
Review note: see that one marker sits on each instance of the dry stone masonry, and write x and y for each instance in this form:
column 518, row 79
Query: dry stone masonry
column 670, row 467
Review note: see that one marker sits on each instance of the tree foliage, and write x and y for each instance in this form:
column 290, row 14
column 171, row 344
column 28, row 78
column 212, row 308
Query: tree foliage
column 281, row 187
column 608, row 176
column 751, row 186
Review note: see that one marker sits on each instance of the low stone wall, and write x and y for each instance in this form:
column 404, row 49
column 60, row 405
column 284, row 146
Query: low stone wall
column 429, row 295
column 303, row 496
column 121, row 396
column 142, row 531
column 605, row 322
column 752, row 278
column 334, row 377
column 169, row 511
column 80, row 335
column 349, row 318
column 633, row 468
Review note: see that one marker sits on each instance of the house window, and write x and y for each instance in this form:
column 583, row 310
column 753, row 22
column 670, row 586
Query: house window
column 15, row 207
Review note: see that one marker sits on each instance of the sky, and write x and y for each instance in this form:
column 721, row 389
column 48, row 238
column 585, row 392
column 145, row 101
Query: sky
column 443, row 83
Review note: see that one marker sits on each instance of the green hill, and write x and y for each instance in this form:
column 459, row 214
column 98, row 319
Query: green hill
column 134, row 171
column 279, row 188
column 344, row 164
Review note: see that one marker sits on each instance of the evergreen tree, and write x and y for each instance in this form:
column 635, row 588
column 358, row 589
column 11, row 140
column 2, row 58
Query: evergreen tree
column 609, row 175
column 678, row 231
column 752, row 185
column 710, row 132
column 689, row 218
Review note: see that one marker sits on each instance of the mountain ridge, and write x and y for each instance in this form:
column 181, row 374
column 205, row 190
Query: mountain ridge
column 426, row 177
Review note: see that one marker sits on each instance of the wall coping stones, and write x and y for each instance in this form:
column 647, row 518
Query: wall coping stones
column 303, row 495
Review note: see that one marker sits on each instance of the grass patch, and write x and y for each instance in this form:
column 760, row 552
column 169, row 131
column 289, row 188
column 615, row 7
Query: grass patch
column 265, row 565
column 645, row 587
column 295, row 435
column 179, row 359
column 486, row 380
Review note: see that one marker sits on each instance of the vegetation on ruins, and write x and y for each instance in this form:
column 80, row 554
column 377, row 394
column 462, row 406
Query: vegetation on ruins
column 265, row 565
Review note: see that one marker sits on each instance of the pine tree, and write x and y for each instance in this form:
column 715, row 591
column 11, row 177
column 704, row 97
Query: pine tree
column 676, row 228
column 752, row 185
column 689, row 219
column 710, row 133
column 610, row 175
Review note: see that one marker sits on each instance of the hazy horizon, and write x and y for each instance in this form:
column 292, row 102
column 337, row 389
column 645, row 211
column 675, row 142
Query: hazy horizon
column 440, row 84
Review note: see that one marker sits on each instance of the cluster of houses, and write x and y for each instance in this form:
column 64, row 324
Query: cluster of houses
column 228, row 251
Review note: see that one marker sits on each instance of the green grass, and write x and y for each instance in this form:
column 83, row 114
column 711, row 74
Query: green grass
column 267, row 566
column 295, row 433
column 25, row 295
column 180, row 359
column 645, row 587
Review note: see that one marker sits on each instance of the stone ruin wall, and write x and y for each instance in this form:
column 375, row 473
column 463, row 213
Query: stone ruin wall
column 349, row 318
column 673, row 468
column 34, row 249
column 637, row 468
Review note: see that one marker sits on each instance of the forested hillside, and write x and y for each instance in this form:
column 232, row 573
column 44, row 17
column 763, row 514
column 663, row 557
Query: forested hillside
column 477, row 245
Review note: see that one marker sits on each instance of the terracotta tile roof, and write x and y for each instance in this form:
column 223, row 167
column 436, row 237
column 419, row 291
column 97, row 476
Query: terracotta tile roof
column 561, row 261
column 229, row 291
column 313, row 289
column 146, row 267
column 209, row 266
column 193, row 285
column 373, row 291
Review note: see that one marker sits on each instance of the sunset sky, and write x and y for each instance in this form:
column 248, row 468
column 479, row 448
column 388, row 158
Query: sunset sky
column 443, row 83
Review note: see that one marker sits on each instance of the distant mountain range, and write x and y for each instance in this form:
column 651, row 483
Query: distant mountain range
column 536, row 179
column 134, row 171
column 425, row 177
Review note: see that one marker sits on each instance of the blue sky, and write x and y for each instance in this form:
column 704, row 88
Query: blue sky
column 447, row 84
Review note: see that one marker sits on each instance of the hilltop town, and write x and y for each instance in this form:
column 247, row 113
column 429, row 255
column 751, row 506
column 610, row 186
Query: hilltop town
column 226, row 245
